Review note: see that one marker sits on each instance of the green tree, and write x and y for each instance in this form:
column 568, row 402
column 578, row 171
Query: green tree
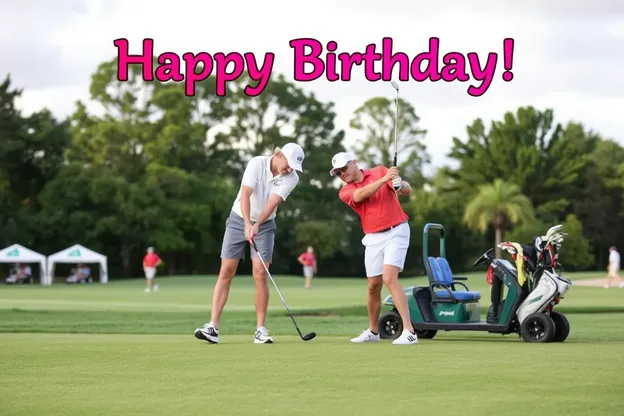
column 375, row 120
column 437, row 203
column 599, row 204
column 498, row 204
column 31, row 155
column 576, row 253
column 547, row 161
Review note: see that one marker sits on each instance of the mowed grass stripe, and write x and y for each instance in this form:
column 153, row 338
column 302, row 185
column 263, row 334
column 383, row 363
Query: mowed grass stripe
column 157, row 375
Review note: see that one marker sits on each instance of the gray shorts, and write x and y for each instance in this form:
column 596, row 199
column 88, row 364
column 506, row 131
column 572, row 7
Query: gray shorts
column 235, row 243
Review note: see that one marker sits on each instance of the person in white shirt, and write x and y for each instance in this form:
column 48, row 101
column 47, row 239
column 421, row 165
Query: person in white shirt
column 613, row 270
column 267, row 182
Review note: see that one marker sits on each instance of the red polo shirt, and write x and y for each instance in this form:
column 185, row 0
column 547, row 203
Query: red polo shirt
column 308, row 258
column 151, row 260
column 382, row 210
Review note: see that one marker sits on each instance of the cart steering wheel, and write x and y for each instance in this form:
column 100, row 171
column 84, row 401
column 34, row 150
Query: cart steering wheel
column 483, row 257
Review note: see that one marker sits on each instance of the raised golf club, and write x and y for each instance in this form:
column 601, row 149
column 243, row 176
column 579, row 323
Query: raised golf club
column 396, row 120
column 305, row 337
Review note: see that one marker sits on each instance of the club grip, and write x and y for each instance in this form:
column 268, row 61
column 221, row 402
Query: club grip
column 253, row 244
column 395, row 160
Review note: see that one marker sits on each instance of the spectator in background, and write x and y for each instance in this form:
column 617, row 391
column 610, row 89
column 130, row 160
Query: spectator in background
column 308, row 261
column 150, row 262
column 613, row 270
column 19, row 274
column 82, row 274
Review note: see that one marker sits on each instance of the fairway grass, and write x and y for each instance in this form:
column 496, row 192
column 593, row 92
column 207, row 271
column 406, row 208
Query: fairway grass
column 170, row 375
column 115, row 350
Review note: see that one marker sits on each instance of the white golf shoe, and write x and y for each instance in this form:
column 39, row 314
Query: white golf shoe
column 406, row 338
column 262, row 336
column 208, row 333
column 366, row 336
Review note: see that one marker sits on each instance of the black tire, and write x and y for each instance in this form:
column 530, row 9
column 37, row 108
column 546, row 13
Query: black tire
column 537, row 327
column 562, row 326
column 390, row 325
column 425, row 334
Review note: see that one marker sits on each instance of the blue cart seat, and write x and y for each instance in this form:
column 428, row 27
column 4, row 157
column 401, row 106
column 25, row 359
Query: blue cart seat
column 441, row 272
column 460, row 295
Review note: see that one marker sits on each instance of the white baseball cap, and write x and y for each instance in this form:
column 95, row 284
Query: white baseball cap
column 340, row 160
column 295, row 155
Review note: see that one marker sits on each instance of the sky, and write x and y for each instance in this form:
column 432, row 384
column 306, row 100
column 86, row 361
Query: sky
column 568, row 55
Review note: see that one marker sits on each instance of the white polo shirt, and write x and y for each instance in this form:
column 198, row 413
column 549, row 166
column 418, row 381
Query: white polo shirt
column 258, row 176
column 614, row 260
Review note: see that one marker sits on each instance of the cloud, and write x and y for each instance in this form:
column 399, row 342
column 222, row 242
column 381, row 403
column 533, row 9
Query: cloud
column 566, row 53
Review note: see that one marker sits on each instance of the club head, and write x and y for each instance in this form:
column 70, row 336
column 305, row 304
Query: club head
column 308, row 336
column 394, row 85
column 552, row 230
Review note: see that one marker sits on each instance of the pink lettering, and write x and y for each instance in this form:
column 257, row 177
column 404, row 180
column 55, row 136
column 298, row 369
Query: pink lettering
column 223, row 76
column 508, row 49
column 260, row 75
column 454, row 67
column 486, row 75
column 330, row 65
column 201, row 61
column 370, row 57
column 197, row 67
column 124, row 60
column 347, row 61
column 301, row 59
column 169, row 68
column 389, row 60
column 431, row 70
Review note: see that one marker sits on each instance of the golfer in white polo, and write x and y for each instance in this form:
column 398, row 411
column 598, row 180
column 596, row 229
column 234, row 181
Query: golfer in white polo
column 267, row 182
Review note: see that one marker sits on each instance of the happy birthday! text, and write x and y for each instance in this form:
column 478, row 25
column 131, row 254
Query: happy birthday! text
column 311, row 64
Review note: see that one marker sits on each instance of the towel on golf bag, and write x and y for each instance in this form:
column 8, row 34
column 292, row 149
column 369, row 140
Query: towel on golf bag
column 489, row 278
column 520, row 263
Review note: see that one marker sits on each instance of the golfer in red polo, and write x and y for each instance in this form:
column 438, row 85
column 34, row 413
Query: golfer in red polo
column 372, row 193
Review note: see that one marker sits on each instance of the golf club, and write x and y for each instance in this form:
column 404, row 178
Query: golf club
column 305, row 337
column 396, row 120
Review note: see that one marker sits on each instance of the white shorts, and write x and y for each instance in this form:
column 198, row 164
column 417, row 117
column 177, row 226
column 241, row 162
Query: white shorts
column 389, row 247
column 150, row 272
column 613, row 271
column 308, row 271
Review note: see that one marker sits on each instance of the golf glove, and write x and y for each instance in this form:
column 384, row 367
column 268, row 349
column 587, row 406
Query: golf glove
column 397, row 184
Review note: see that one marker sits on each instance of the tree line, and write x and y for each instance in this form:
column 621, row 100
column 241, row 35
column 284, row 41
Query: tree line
column 156, row 168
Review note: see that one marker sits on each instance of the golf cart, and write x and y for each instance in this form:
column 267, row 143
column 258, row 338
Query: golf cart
column 527, row 308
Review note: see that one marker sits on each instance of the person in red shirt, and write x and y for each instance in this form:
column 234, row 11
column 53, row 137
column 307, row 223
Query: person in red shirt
column 150, row 262
column 308, row 261
column 372, row 194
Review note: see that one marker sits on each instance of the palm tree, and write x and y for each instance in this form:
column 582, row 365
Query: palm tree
column 496, row 203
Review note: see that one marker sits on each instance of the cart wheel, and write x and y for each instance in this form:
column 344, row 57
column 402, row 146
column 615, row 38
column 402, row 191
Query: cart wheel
column 390, row 325
column 537, row 327
column 562, row 326
column 426, row 333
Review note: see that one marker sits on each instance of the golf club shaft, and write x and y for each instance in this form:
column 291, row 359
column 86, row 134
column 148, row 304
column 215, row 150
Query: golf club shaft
column 253, row 243
column 396, row 126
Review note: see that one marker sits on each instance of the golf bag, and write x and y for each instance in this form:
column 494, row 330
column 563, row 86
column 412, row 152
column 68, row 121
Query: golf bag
column 536, row 264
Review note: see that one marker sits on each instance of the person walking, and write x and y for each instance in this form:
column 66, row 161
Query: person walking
column 308, row 261
column 151, row 261
column 613, row 270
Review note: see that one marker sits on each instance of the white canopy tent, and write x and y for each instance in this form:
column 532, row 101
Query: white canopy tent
column 78, row 254
column 20, row 254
